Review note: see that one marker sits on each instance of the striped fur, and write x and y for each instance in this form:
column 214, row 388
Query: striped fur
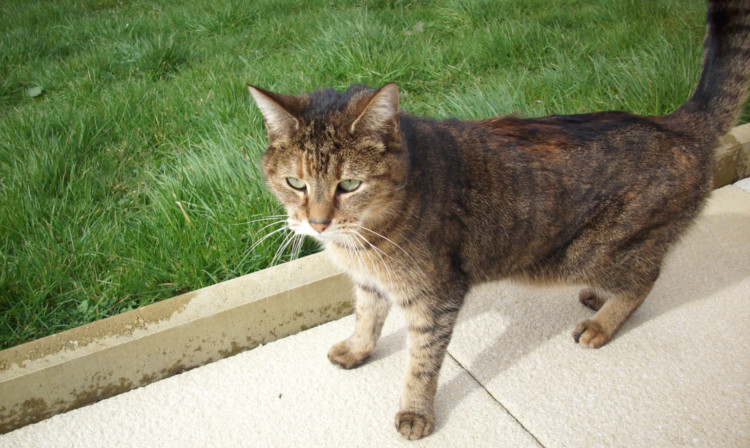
column 592, row 199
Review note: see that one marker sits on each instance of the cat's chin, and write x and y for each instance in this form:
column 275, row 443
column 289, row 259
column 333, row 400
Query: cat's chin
column 331, row 238
column 333, row 234
column 324, row 237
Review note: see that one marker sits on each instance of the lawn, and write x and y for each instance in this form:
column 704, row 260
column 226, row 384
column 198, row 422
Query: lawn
column 129, row 146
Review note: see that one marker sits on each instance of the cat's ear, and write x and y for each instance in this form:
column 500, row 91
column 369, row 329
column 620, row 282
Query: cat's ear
column 380, row 112
column 278, row 111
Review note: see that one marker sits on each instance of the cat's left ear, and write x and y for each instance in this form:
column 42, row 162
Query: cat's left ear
column 380, row 113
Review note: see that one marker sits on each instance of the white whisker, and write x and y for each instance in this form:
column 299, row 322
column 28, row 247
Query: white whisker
column 414, row 269
column 297, row 247
column 257, row 243
column 356, row 253
column 283, row 221
column 265, row 218
column 288, row 239
column 378, row 252
column 265, row 237
column 390, row 241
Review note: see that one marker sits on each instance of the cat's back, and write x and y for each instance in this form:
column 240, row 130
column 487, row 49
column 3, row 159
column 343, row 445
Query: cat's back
column 520, row 189
column 596, row 148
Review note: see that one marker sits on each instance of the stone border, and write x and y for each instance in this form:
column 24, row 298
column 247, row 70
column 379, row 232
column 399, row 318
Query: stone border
column 733, row 157
column 105, row 358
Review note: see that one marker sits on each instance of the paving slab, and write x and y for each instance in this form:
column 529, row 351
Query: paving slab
column 283, row 394
column 677, row 373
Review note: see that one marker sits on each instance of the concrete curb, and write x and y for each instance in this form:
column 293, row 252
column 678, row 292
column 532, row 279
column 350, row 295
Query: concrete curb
column 733, row 157
column 105, row 358
column 97, row 361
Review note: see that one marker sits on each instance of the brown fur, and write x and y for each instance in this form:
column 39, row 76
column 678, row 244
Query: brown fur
column 592, row 199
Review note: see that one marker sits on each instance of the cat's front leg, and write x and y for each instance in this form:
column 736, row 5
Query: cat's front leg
column 371, row 309
column 430, row 329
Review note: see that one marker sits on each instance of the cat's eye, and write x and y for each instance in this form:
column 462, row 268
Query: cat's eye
column 297, row 184
column 348, row 185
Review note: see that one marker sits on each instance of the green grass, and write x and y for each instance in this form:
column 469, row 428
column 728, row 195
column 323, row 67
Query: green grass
column 133, row 176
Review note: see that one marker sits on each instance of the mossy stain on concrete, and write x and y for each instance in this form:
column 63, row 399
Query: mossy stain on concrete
column 122, row 325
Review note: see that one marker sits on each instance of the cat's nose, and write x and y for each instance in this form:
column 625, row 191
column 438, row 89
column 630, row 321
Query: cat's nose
column 320, row 225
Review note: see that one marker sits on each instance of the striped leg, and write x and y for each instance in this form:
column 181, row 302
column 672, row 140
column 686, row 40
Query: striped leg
column 429, row 335
column 371, row 309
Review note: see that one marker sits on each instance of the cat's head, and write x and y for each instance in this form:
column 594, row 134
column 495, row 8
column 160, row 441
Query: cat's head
column 334, row 159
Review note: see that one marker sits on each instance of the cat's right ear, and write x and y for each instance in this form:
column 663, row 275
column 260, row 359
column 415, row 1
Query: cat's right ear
column 278, row 111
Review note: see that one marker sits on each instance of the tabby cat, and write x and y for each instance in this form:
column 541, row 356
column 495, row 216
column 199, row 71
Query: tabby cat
column 418, row 210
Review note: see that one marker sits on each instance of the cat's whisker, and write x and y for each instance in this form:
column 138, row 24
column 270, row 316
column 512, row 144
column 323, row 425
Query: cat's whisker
column 288, row 239
column 297, row 247
column 351, row 242
column 265, row 218
column 293, row 247
column 279, row 251
column 292, row 239
column 389, row 240
column 252, row 248
column 377, row 251
column 283, row 221
column 416, row 264
column 375, row 248
column 265, row 237
column 357, row 255
column 360, row 254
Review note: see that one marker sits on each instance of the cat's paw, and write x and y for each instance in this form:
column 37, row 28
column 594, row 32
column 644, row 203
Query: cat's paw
column 590, row 299
column 342, row 355
column 413, row 426
column 591, row 334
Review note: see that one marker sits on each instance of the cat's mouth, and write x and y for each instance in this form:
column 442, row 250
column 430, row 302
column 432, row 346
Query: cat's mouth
column 322, row 233
column 342, row 235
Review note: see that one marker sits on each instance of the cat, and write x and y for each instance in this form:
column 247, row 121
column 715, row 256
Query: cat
column 418, row 210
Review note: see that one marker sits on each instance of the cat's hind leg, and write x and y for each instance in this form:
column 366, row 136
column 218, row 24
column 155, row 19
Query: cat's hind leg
column 592, row 299
column 371, row 309
column 620, row 279
column 612, row 313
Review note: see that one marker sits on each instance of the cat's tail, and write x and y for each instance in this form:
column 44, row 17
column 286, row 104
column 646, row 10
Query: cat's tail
column 722, row 88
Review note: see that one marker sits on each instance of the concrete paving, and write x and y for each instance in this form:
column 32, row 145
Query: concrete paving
column 677, row 374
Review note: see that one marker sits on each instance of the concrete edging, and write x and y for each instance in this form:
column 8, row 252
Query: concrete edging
column 733, row 157
column 105, row 358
